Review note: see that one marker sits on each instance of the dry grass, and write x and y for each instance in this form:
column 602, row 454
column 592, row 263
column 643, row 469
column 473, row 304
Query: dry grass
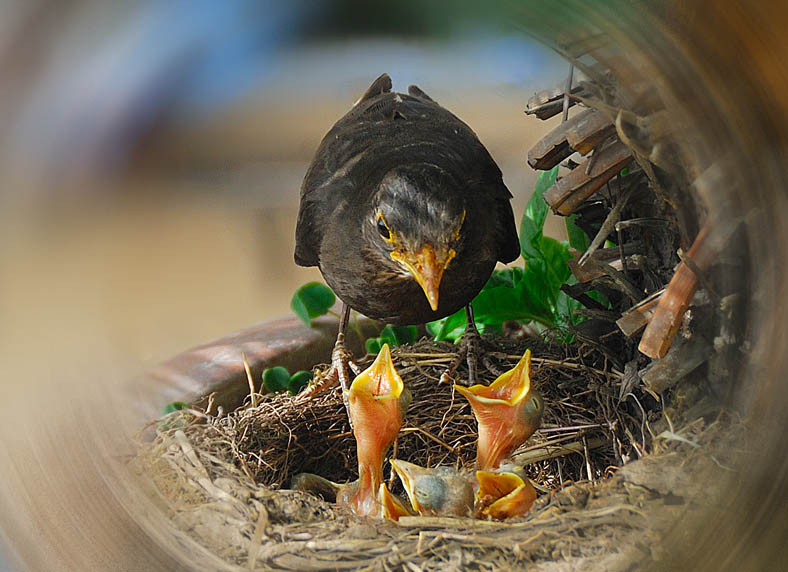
column 217, row 475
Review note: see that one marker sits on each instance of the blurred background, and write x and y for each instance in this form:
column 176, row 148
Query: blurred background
column 151, row 155
column 156, row 152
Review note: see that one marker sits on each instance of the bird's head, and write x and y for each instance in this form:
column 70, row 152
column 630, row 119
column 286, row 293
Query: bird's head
column 416, row 224
column 439, row 491
column 507, row 411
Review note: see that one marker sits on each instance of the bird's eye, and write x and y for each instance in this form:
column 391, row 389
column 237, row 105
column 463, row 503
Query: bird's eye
column 383, row 229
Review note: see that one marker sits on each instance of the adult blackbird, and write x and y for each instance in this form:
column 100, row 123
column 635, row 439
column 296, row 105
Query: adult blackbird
column 404, row 212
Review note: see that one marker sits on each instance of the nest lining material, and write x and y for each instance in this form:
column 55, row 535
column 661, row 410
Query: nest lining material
column 218, row 476
column 280, row 438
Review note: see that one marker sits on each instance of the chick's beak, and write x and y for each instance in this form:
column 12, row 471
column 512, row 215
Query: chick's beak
column 503, row 495
column 407, row 473
column 507, row 411
column 426, row 266
column 391, row 505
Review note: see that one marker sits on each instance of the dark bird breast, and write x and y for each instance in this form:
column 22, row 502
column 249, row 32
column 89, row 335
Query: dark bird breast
column 385, row 130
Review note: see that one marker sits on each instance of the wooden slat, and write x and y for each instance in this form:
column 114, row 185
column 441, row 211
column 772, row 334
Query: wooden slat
column 549, row 102
column 589, row 132
column 674, row 302
column 570, row 192
column 636, row 318
column 581, row 132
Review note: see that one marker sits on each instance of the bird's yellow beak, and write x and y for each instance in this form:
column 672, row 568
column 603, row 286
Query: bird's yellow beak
column 427, row 267
column 507, row 411
column 407, row 473
column 379, row 382
column 503, row 495
column 391, row 506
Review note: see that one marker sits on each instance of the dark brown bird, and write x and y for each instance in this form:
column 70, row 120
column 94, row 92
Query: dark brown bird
column 404, row 212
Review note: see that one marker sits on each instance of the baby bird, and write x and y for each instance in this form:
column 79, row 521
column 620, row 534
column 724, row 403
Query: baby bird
column 376, row 400
column 442, row 491
column 502, row 495
column 507, row 411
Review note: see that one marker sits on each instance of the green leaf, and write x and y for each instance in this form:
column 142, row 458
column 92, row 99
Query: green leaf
column 169, row 421
column 449, row 328
column 535, row 214
column 172, row 407
column 276, row 379
column 392, row 335
column 497, row 303
column 399, row 335
column 495, row 306
column 555, row 254
column 506, row 277
column 312, row 300
column 298, row 381
column 578, row 239
column 373, row 345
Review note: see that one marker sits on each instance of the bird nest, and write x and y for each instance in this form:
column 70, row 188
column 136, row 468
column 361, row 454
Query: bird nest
column 223, row 477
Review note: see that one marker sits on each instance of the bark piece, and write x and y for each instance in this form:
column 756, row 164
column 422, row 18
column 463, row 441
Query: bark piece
column 684, row 357
column 636, row 318
column 582, row 132
column 570, row 192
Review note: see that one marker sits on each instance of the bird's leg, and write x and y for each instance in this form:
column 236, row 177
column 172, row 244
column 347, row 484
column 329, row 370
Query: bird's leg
column 470, row 343
column 342, row 366
column 342, row 360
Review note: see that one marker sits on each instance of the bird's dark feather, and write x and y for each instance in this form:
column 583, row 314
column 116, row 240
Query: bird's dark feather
column 385, row 131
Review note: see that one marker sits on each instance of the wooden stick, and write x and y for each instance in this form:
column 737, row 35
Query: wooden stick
column 674, row 302
column 607, row 227
column 636, row 318
column 582, row 133
column 570, row 192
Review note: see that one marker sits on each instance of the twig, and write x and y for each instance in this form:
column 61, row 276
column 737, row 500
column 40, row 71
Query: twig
column 407, row 430
column 607, row 227
column 588, row 461
column 567, row 92
column 250, row 379
column 543, row 453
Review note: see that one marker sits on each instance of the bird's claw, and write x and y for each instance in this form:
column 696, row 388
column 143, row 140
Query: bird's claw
column 473, row 349
column 341, row 372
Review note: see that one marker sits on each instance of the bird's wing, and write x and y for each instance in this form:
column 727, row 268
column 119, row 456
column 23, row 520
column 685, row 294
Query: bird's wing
column 506, row 232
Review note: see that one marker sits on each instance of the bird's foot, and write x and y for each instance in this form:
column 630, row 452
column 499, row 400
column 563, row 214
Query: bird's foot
column 473, row 349
column 341, row 372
